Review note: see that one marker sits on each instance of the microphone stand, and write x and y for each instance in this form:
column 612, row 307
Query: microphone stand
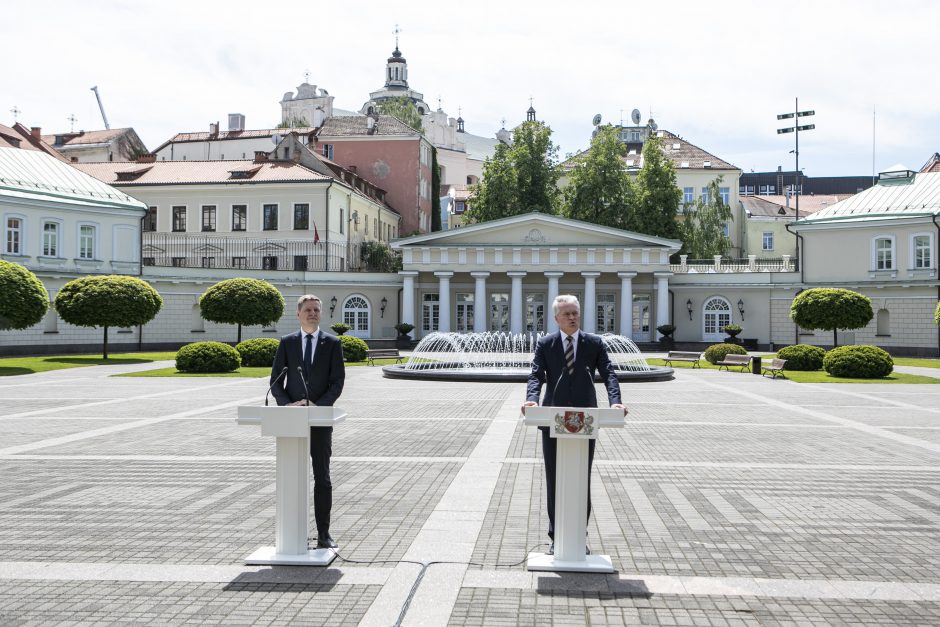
column 300, row 369
column 271, row 387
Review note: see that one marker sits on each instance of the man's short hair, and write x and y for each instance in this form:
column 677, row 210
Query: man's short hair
column 305, row 298
column 565, row 299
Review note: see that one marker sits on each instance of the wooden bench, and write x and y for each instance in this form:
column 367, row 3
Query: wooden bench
column 689, row 356
column 775, row 367
column 383, row 353
column 734, row 360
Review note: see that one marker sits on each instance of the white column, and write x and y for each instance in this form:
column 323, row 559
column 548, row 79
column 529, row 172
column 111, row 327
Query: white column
column 626, row 303
column 481, row 307
column 662, row 299
column 589, row 307
column 408, row 297
column 550, row 325
column 516, row 306
column 443, row 294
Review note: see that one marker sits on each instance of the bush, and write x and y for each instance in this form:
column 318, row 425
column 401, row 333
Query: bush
column 802, row 357
column 258, row 351
column 936, row 314
column 25, row 300
column 339, row 328
column 830, row 309
column 354, row 349
column 858, row 362
column 207, row 357
column 717, row 352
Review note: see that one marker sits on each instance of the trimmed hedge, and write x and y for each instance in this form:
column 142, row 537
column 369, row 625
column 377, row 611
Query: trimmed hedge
column 717, row 352
column 25, row 300
column 258, row 351
column 802, row 357
column 207, row 357
column 354, row 349
column 858, row 362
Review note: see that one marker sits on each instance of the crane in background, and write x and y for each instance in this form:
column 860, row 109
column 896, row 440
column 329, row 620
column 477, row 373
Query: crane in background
column 101, row 106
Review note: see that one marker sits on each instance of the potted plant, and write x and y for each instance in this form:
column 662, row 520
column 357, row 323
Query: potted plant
column 667, row 330
column 732, row 330
column 403, row 340
column 340, row 327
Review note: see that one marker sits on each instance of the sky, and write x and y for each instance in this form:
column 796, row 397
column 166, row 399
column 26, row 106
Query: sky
column 715, row 73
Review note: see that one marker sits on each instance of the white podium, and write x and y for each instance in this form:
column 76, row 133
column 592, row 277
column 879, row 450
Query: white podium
column 290, row 426
column 573, row 427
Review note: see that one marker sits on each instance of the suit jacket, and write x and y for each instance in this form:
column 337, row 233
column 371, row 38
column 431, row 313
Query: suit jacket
column 326, row 376
column 577, row 390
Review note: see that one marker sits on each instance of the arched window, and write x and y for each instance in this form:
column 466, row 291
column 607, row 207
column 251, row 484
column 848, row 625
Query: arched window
column 356, row 315
column 716, row 314
column 884, row 322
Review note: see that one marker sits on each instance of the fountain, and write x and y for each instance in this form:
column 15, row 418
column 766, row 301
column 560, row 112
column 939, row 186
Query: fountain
column 506, row 357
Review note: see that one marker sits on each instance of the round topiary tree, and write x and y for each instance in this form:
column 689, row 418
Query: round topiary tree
column 354, row 349
column 858, row 362
column 258, row 352
column 107, row 301
column 339, row 328
column 802, row 357
column 25, row 300
column 717, row 352
column 831, row 309
column 242, row 302
column 207, row 357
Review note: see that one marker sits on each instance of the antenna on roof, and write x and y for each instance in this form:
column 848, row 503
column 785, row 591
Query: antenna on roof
column 635, row 116
column 101, row 106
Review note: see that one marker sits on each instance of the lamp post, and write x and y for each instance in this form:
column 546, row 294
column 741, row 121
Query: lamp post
column 795, row 129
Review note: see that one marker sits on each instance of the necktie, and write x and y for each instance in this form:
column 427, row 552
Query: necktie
column 308, row 353
column 569, row 355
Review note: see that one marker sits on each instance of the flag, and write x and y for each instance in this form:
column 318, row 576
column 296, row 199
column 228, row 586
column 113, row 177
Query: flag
column 316, row 234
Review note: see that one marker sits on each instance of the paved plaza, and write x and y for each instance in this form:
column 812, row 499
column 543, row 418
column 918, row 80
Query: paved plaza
column 729, row 499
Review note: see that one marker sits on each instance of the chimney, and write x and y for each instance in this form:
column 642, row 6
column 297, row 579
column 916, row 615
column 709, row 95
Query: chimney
column 236, row 122
column 36, row 132
column 213, row 129
column 148, row 158
column 261, row 156
column 73, row 159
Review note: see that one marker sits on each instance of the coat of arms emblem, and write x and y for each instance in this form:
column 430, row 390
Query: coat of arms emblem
column 574, row 423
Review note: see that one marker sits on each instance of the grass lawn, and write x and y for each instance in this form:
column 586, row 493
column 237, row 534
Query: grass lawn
column 916, row 361
column 28, row 365
column 819, row 376
column 244, row 371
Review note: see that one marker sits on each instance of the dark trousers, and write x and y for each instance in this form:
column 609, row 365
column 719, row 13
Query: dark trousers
column 549, row 449
column 321, row 447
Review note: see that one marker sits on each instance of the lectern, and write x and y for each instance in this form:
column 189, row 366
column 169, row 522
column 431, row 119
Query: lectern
column 573, row 427
column 290, row 426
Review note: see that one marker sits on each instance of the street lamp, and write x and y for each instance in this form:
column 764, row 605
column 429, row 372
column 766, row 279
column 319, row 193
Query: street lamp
column 795, row 129
column 688, row 305
column 741, row 308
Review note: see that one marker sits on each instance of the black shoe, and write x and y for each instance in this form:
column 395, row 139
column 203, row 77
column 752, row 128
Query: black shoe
column 551, row 549
column 326, row 542
column 587, row 550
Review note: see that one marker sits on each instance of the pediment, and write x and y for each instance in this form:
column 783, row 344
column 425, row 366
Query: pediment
column 536, row 229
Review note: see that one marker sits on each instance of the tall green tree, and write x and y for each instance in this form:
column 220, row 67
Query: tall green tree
column 403, row 109
column 600, row 190
column 520, row 178
column 831, row 309
column 702, row 229
column 656, row 193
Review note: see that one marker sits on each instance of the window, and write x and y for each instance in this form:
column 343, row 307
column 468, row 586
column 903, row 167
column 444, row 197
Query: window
column 301, row 217
column 716, row 316
column 430, row 313
column 50, row 239
column 535, row 312
column 342, row 220
column 688, row 195
column 150, row 219
column 606, row 313
column 300, row 263
column 365, row 226
column 725, row 193
column 149, row 261
column 14, row 238
column 464, row 313
column 768, row 241
column 208, row 219
column 269, row 262
column 178, row 262
column 328, row 151
column 270, row 218
column 706, row 196
column 356, row 315
column 459, row 207
column 239, row 217
column 208, row 262
column 179, row 219
column 921, row 248
column 86, row 242
column 240, row 263
column 883, row 253
column 768, row 190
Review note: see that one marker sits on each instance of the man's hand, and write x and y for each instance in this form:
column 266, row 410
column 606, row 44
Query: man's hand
column 300, row 403
column 620, row 406
column 528, row 404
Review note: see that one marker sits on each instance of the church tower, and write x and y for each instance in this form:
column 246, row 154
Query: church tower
column 396, row 84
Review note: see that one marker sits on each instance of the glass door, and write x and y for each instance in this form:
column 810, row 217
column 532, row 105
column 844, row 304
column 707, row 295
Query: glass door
column 641, row 318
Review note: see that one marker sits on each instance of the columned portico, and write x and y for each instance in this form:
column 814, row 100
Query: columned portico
column 408, row 297
column 516, row 306
column 480, row 306
column 443, row 290
column 662, row 299
column 550, row 325
column 589, row 307
column 626, row 303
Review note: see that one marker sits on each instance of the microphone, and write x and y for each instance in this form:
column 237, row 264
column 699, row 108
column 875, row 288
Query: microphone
column 306, row 388
column 271, row 387
column 564, row 371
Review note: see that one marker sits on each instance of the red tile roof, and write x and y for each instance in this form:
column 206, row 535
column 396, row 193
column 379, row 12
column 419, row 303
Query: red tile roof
column 87, row 137
column 683, row 154
column 199, row 172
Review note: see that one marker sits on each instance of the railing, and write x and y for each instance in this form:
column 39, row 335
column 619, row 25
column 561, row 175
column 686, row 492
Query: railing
column 199, row 251
column 729, row 265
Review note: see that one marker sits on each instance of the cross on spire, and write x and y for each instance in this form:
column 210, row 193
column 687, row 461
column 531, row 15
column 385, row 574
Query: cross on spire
column 530, row 101
column 15, row 111
column 307, row 76
column 459, row 114
column 396, row 31
column 438, row 101
column 73, row 120
column 503, row 122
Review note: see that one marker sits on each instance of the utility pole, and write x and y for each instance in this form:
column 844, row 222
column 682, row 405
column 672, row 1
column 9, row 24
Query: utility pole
column 796, row 128
column 101, row 106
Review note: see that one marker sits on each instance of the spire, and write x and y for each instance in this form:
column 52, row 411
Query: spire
column 530, row 114
column 459, row 121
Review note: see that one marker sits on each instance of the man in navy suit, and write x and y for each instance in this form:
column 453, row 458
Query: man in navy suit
column 315, row 376
column 565, row 362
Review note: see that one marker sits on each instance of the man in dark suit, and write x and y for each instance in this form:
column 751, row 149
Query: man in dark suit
column 565, row 362
column 315, row 376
